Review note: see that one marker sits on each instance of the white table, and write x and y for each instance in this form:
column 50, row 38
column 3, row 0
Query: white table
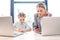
column 31, row 36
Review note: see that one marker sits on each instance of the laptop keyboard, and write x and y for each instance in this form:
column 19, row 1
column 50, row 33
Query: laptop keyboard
column 17, row 33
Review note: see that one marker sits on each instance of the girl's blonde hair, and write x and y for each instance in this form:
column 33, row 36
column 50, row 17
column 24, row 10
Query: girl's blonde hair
column 21, row 14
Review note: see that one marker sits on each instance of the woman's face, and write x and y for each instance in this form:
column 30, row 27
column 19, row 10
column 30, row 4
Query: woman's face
column 40, row 11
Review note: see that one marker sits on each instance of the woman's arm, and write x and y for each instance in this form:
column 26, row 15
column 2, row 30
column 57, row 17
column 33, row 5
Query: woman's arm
column 35, row 20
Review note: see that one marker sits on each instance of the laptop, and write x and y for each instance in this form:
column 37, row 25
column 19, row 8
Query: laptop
column 6, row 27
column 50, row 26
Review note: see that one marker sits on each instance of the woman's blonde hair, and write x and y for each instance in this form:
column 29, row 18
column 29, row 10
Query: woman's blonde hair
column 41, row 5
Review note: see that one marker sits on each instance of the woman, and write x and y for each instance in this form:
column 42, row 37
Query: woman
column 41, row 12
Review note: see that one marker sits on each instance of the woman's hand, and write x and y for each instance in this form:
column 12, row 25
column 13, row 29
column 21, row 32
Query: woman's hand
column 36, row 30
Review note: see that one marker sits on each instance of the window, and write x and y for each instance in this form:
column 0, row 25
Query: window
column 28, row 0
column 26, row 6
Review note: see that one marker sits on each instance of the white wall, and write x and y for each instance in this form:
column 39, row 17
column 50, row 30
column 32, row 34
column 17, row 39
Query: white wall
column 54, row 7
column 4, row 7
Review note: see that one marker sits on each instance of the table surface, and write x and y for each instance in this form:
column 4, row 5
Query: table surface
column 31, row 36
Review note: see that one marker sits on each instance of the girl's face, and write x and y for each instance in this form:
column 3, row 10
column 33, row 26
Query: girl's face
column 21, row 19
column 40, row 11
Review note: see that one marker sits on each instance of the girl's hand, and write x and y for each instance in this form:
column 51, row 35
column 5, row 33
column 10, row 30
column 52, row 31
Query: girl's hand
column 20, row 30
column 28, row 29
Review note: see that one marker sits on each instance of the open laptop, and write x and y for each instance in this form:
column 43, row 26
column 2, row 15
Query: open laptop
column 50, row 26
column 6, row 27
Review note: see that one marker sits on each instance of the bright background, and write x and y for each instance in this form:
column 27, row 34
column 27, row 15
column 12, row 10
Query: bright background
column 53, row 7
column 4, row 7
column 28, row 9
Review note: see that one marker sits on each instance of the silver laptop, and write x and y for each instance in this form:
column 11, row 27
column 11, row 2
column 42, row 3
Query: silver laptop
column 50, row 26
column 6, row 27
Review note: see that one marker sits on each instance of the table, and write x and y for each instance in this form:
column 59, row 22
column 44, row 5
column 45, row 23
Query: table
column 31, row 36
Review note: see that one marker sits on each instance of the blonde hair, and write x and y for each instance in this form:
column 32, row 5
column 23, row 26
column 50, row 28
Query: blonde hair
column 21, row 14
column 41, row 5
